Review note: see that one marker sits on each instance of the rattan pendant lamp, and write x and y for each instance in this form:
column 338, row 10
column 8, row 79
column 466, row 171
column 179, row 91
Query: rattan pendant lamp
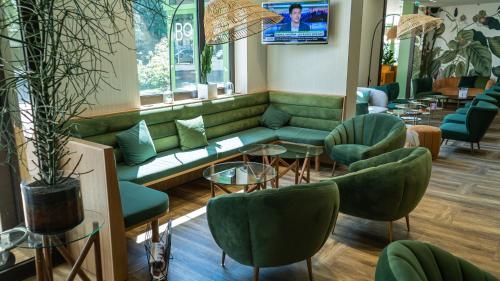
column 417, row 25
column 230, row 20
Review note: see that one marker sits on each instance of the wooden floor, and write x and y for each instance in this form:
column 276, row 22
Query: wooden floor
column 460, row 213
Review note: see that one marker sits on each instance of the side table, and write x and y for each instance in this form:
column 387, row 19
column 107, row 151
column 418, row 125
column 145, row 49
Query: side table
column 44, row 243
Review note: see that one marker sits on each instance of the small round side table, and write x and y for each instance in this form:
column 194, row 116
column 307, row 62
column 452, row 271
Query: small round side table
column 44, row 243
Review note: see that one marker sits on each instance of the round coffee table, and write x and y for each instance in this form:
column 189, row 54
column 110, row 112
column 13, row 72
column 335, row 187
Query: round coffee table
column 250, row 175
column 298, row 153
column 270, row 154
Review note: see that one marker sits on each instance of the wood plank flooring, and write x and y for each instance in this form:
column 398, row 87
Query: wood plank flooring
column 460, row 213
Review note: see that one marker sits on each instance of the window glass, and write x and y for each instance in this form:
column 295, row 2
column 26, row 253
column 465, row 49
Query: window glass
column 220, row 63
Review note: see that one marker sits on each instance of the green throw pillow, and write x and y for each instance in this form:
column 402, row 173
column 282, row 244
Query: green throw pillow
column 481, row 82
column 191, row 133
column 363, row 96
column 274, row 118
column 136, row 144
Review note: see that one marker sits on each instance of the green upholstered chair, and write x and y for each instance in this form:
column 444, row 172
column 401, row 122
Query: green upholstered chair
column 386, row 187
column 365, row 136
column 417, row 261
column 477, row 121
column 362, row 108
column 275, row 227
column 478, row 98
column 494, row 93
column 141, row 205
column 422, row 87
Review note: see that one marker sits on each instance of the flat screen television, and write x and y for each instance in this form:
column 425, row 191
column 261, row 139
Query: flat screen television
column 304, row 22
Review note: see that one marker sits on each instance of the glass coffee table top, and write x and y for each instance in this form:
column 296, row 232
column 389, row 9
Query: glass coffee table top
column 239, row 173
column 9, row 239
column 91, row 224
column 300, row 151
column 263, row 150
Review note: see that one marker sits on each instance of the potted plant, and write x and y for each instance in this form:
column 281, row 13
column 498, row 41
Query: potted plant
column 206, row 90
column 66, row 61
column 388, row 57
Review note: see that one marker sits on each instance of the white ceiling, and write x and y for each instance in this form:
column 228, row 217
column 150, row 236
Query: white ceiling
column 443, row 3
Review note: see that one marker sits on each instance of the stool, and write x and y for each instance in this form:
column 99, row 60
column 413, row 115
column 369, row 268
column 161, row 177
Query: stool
column 429, row 137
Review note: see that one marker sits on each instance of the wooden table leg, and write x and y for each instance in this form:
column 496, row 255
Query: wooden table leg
column 97, row 254
column 296, row 170
column 277, row 168
column 39, row 264
column 308, row 170
column 317, row 164
column 47, row 258
column 212, row 189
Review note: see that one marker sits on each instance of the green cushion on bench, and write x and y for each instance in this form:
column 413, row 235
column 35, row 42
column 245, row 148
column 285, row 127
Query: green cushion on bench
column 230, row 144
column 302, row 135
column 140, row 204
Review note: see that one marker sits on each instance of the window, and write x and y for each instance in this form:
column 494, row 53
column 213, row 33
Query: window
column 162, row 64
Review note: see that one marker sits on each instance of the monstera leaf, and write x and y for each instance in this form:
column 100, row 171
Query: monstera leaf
column 449, row 70
column 435, row 65
column 495, row 45
column 461, row 69
column 496, row 71
column 480, row 57
column 464, row 37
column 453, row 45
column 448, row 56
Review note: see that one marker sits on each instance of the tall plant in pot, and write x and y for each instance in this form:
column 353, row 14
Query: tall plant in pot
column 65, row 59
column 205, row 89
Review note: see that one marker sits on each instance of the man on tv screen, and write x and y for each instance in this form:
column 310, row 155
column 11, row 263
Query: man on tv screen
column 295, row 12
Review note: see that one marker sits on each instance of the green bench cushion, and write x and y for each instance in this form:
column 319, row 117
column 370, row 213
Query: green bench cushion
column 455, row 118
column 302, row 135
column 140, row 203
column 229, row 145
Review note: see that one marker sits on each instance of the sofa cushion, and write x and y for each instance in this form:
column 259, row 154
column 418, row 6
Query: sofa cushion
column 140, row 204
column 136, row 144
column 455, row 118
column 191, row 133
column 454, row 131
column 166, row 164
column 302, row 135
column 229, row 145
column 348, row 153
column 274, row 118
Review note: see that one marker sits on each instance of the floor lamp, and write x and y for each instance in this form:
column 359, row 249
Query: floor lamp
column 409, row 26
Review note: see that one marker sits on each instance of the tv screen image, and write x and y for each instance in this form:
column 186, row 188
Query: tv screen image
column 303, row 22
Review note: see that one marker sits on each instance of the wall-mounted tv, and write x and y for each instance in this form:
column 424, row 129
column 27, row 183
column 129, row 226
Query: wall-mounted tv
column 304, row 22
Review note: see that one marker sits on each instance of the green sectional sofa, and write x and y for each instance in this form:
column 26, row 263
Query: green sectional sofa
column 230, row 124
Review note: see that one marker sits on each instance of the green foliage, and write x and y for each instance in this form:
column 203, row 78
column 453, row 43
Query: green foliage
column 156, row 73
column 494, row 43
column 206, row 63
column 388, row 56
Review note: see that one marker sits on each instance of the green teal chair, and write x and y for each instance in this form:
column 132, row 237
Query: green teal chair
column 275, row 227
column 422, row 87
column 363, row 137
column 477, row 121
column 481, row 97
column 417, row 261
column 386, row 187
column 494, row 93
column 142, row 205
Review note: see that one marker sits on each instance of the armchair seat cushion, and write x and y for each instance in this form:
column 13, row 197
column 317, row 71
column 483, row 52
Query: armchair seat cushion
column 455, row 118
column 140, row 204
column 462, row 110
column 454, row 131
column 302, row 135
column 348, row 153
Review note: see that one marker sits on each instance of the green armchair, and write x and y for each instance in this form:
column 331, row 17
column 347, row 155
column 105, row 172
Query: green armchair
column 363, row 137
column 274, row 227
column 418, row 261
column 422, row 87
column 477, row 122
column 386, row 187
column 478, row 98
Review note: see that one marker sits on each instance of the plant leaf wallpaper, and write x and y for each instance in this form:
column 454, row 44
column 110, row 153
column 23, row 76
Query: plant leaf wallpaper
column 468, row 43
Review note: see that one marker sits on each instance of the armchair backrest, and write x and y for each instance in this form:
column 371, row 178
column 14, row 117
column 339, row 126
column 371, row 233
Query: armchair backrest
column 274, row 227
column 371, row 129
column 479, row 118
column 420, row 85
column 392, row 90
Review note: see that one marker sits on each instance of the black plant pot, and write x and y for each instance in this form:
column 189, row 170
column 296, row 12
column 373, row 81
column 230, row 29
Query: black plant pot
column 52, row 209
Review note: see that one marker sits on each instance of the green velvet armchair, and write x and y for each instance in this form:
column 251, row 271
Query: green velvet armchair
column 418, row 261
column 422, row 87
column 363, row 137
column 478, row 98
column 275, row 227
column 478, row 120
column 386, row 187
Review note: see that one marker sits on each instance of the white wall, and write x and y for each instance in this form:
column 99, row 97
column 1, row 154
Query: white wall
column 373, row 11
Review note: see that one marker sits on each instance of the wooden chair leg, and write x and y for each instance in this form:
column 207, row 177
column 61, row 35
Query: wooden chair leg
column 446, row 142
column 389, row 231
column 442, row 140
column 407, row 217
column 223, row 262
column 155, row 229
column 309, row 269
column 478, row 146
column 317, row 164
column 333, row 170
column 255, row 273
column 471, row 147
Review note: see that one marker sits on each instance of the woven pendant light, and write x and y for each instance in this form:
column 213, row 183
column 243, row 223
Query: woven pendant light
column 392, row 33
column 231, row 20
column 416, row 24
